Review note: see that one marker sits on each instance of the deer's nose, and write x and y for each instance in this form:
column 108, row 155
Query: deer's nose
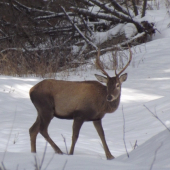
column 109, row 98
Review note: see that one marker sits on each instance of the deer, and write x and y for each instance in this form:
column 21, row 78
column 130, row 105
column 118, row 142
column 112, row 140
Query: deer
column 80, row 101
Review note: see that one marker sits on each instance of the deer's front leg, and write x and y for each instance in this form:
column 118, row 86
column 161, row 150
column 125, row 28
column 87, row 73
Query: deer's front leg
column 76, row 129
column 99, row 128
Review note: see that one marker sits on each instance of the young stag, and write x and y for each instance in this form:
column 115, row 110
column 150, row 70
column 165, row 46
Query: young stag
column 80, row 101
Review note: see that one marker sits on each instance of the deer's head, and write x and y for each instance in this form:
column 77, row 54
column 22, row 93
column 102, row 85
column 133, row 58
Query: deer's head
column 113, row 83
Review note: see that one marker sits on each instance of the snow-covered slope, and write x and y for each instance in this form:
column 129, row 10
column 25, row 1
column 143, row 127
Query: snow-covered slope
column 148, row 84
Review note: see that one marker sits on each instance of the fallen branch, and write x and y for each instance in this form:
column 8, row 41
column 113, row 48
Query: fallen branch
column 75, row 26
column 112, row 11
column 55, row 15
column 118, row 46
column 29, row 9
column 118, row 7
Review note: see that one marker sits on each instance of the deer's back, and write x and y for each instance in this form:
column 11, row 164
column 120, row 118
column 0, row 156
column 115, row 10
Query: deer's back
column 70, row 98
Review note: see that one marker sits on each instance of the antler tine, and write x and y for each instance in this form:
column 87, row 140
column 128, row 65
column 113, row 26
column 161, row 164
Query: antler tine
column 116, row 63
column 115, row 72
column 98, row 62
column 130, row 58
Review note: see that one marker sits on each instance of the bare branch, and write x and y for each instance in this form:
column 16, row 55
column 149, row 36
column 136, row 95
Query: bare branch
column 2, row 166
column 49, row 161
column 55, row 15
column 155, row 116
column 75, row 26
column 32, row 9
column 135, row 7
column 97, row 15
column 124, row 132
column 144, row 8
column 154, row 159
column 9, row 135
column 36, row 163
column 112, row 11
column 64, row 165
column 119, row 46
column 86, row 25
column 119, row 15
column 65, row 143
column 118, row 7
column 135, row 145
column 44, row 153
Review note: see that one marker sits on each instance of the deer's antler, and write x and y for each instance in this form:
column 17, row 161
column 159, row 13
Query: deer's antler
column 130, row 58
column 98, row 62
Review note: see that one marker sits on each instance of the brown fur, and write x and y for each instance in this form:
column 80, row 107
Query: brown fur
column 63, row 97
column 81, row 101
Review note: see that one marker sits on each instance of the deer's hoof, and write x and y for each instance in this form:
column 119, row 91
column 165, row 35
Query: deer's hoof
column 110, row 157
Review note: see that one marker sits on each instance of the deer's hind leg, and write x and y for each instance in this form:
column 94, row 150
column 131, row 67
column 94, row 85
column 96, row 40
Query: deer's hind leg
column 45, row 119
column 33, row 134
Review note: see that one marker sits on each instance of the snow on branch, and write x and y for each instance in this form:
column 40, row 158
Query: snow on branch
column 75, row 26
column 118, row 46
column 118, row 7
column 97, row 15
column 29, row 9
column 55, row 15
column 34, row 49
column 112, row 11
column 112, row 14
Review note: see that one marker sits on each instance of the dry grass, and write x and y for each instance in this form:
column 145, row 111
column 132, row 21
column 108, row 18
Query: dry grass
column 38, row 64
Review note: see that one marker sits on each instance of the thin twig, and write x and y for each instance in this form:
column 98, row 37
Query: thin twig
column 36, row 163
column 44, row 153
column 75, row 26
column 2, row 166
column 86, row 25
column 154, row 159
column 135, row 145
column 155, row 116
column 65, row 143
column 124, row 133
column 64, row 165
column 17, row 166
column 9, row 135
column 49, row 161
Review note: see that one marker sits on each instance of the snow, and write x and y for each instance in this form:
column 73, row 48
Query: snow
column 101, row 37
column 148, row 84
column 129, row 30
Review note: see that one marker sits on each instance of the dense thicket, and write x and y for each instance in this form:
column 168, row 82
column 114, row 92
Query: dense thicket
column 44, row 36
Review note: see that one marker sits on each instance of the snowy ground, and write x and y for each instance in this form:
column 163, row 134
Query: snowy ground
column 148, row 84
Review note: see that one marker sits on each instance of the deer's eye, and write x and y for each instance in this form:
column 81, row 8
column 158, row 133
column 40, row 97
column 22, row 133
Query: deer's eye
column 117, row 85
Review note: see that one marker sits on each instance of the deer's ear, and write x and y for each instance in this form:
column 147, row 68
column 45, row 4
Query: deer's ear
column 123, row 78
column 102, row 79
